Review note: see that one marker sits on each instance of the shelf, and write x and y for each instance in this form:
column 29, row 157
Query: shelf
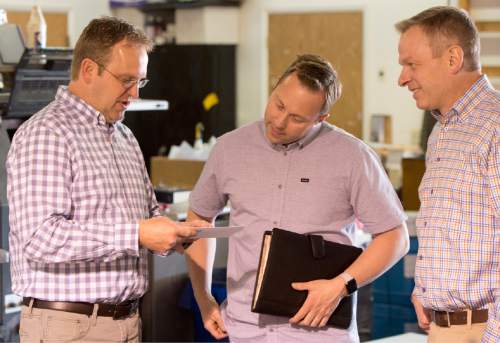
column 168, row 5
column 147, row 105
column 488, row 26
column 491, row 71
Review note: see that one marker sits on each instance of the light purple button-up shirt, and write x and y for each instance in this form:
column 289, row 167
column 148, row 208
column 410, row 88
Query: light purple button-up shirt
column 76, row 189
column 318, row 185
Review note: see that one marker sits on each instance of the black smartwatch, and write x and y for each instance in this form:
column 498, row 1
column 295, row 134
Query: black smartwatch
column 349, row 282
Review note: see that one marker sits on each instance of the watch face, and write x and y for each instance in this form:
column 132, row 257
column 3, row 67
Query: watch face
column 351, row 286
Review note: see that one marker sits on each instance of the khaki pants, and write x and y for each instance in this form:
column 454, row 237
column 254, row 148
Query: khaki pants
column 468, row 333
column 39, row 325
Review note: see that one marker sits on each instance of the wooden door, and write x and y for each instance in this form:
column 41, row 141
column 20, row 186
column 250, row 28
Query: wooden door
column 338, row 37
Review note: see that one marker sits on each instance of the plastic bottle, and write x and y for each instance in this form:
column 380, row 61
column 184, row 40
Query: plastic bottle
column 149, row 26
column 198, row 136
column 3, row 16
column 36, row 29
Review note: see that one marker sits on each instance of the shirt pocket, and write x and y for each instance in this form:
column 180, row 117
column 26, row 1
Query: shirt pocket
column 318, row 202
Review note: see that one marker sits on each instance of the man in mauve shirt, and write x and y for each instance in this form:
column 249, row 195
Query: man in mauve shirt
column 82, row 209
column 293, row 171
column 457, row 275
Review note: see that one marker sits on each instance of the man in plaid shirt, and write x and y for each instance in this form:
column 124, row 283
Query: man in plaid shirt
column 457, row 278
column 82, row 209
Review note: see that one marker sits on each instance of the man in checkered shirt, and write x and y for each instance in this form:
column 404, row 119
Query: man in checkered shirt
column 83, row 215
column 457, row 277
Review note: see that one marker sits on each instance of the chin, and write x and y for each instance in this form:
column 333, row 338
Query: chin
column 118, row 116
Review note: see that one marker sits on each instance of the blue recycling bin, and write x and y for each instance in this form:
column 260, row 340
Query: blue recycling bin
column 188, row 301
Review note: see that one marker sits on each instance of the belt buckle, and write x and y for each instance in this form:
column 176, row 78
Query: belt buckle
column 448, row 318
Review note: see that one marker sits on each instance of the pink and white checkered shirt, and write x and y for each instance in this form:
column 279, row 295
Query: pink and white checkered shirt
column 77, row 187
column 458, row 264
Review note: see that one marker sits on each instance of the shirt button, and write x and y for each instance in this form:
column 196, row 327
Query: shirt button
column 280, row 186
column 425, row 224
column 438, row 159
column 423, row 289
column 275, row 223
column 420, row 257
column 432, row 191
column 285, row 153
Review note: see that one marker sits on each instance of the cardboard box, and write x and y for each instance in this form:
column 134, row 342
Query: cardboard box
column 175, row 173
column 413, row 171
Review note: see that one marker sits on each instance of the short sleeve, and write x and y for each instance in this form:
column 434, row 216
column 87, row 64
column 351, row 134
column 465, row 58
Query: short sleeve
column 373, row 198
column 207, row 199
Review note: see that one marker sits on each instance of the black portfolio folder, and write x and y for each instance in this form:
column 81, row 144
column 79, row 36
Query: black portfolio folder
column 288, row 257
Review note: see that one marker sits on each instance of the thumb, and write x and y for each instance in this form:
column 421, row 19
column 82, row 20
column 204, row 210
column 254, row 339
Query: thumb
column 219, row 321
column 185, row 231
column 300, row 286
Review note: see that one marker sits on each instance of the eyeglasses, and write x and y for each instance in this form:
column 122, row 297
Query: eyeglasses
column 126, row 83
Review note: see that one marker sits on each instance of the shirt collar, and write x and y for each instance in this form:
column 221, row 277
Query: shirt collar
column 465, row 104
column 301, row 143
column 86, row 112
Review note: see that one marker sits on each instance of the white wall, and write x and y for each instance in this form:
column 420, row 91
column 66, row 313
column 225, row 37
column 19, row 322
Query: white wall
column 80, row 12
column 380, row 94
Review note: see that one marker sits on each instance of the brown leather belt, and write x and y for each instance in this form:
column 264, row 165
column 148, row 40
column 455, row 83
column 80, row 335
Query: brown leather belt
column 117, row 311
column 445, row 319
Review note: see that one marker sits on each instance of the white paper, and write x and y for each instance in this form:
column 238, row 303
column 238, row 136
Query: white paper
column 216, row 232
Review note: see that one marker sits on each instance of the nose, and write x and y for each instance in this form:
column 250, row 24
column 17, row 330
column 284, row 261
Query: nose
column 280, row 121
column 404, row 78
column 133, row 91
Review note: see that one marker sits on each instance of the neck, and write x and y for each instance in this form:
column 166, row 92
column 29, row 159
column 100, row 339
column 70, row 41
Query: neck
column 77, row 90
column 460, row 84
column 80, row 91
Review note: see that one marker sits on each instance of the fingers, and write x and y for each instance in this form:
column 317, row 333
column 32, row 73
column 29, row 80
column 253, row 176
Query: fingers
column 215, row 330
column 300, row 286
column 324, row 321
column 316, row 319
column 198, row 223
column 220, row 322
column 422, row 315
column 315, row 311
column 214, row 323
column 185, row 231
column 180, row 248
column 301, row 313
column 217, row 325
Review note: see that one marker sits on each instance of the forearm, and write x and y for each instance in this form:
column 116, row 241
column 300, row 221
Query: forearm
column 200, row 259
column 383, row 252
column 57, row 240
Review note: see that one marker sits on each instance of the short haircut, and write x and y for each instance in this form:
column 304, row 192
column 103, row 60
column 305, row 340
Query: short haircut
column 446, row 25
column 99, row 37
column 317, row 74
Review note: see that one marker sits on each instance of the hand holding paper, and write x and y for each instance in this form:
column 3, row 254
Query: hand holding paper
column 212, row 232
column 216, row 232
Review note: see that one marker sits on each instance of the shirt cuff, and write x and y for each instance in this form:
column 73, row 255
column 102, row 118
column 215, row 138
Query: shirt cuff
column 127, row 238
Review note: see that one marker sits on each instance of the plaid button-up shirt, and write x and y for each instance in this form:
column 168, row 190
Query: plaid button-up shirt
column 77, row 187
column 458, row 263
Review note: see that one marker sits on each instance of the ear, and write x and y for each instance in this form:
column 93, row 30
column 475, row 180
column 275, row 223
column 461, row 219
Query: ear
column 455, row 58
column 323, row 117
column 88, row 70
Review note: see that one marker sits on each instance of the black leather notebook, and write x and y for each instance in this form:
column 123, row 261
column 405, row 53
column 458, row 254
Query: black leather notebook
column 288, row 257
